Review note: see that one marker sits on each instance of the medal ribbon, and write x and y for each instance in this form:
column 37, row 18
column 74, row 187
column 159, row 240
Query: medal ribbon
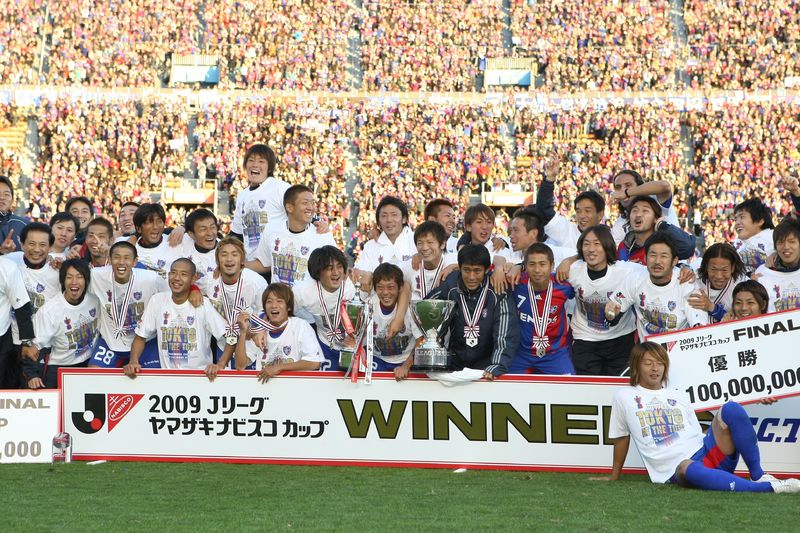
column 332, row 328
column 540, row 340
column 423, row 288
column 118, row 316
column 721, row 294
column 471, row 328
column 231, row 312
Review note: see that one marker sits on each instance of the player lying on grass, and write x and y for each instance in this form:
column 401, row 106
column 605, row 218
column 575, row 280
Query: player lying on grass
column 667, row 434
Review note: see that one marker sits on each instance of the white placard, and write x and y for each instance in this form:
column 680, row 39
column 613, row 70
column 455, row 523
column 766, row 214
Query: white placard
column 518, row 422
column 28, row 423
column 742, row 360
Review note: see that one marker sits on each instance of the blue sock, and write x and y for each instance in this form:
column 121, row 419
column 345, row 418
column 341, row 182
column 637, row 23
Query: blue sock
column 744, row 437
column 700, row 476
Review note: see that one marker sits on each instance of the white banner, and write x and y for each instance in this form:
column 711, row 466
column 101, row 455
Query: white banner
column 518, row 422
column 28, row 422
column 743, row 360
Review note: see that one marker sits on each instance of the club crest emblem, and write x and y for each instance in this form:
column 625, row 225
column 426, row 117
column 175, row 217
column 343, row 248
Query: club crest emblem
column 304, row 250
column 671, row 402
column 92, row 312
column 39, row 287
column 671, row 305
column 553, row 309
column 137, row 295
column 406, row 257
column 287, row 350
column 190, row 320
column 161, row 263
column 261, row 204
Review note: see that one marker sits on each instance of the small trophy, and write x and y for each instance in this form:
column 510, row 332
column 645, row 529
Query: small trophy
column 359, row 314
column 429, row 315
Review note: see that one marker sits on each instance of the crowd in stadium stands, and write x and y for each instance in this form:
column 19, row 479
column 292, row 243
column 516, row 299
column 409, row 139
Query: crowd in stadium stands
column 742, row 151
column 112, row 152
column 743, row 45
column 597, row 45
column 597, row 143
column 417, row 152
column 20, row 24
column 428, row 46
column 280, row 45
column 117, row 43
column 309, row 139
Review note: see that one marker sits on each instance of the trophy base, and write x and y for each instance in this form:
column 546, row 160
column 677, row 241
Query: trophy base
column 431, row 359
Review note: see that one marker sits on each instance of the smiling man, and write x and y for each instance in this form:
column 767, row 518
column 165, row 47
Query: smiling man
column 10, row 224
column 286, row 245
column 782, row 281
column 645, row 218
column 483, row 330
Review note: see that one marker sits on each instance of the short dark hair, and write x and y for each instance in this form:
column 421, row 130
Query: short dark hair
column 322, row 258
column 474, row 254
column 78, row 264
column 393, row 201
column 473, row 211
column 100, row 221
column 80, row 200
column 282, row 291
column 7, row 182
column 264, row 151
column 431, row 227
column 603, row 234
column 36, row 226
column 758, row 291
column 432, row 208
column 147, row 212
column 786, row 228
column 64, row 217
column 187, row 261
column 388, row 272
column 661, row 237
column 757, row 210
column 196, row 216
column 721, row 250
column 126, row 204
column 293, row 192
column 632, row 173
column 540, row 248
column 533, row 219
column 123, row 244
column 593, row 196
column 649, row 200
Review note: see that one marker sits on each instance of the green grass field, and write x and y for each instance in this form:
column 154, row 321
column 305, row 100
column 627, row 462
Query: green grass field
column 199, row 497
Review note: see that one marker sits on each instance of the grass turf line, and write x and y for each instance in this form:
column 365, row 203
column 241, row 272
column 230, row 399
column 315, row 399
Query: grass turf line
column 198, row 497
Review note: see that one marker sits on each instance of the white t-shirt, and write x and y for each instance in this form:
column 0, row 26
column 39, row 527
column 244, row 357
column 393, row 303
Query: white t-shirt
column 41, row 283
column 13, row 293
column 69, row 330
column 307, row 305
column 183, row 332
column 205, row 262
column 755, row 250
column 396, row 350
column 452, row 245
column 296, row 342
column 255, row 208
column 159, row 258
column 783, row 288
column 146, row 283
column 384, row 251
column 287, row 253
column 414, row 278
column 563, row 232
column 723, row 296
column 662, row 425
column 591, row 296
column 660, row 308
column 253, row 287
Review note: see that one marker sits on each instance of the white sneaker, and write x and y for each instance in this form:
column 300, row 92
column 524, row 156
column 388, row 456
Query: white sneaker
column 785, row 485
column 766, row 478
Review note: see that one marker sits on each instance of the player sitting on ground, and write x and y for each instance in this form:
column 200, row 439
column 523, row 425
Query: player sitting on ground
column 669, row 438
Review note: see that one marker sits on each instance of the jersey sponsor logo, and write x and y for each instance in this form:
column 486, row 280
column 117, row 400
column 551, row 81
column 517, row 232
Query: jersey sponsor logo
column 102, row 408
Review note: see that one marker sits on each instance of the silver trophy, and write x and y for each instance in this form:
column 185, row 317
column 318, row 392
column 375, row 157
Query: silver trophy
column 360, row 314
column 429, row 316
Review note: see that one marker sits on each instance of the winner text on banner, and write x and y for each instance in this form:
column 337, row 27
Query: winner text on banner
column 743, row 360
